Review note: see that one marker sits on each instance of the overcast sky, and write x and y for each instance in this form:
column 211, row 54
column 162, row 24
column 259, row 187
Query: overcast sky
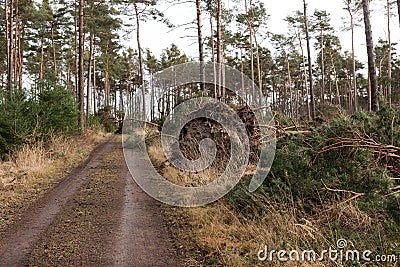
column 157, row 36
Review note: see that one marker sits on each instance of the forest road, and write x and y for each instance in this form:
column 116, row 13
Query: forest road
column 96, row 216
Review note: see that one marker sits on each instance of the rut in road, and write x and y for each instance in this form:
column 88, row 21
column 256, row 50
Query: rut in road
column 142, row 236
column 96, row 216
column 17, row 241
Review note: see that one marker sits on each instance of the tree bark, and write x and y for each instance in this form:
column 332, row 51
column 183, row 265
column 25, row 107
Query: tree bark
column 54, row 51
column 389, row 89
column 338, row 101
column 81, row 81
column 251, row 52
column 322, row 66
column 107, row 79
column 259, row 69
column 41, row 70
column 244, row 95
column 152, row 97
column 140, row 58
column 121, row 97
column 76, row 44
column 17, row 46
column 20, row 58
column 201, row 48
column 370, row 53
column 213, row 55
column 353, row 58
column 219, row 48
column 11, row 47
column 380, row 74
column 289, row 81
column 7, row 36
column 310, row 77
column 94, row 82
column 305, row 74
column 89, row 83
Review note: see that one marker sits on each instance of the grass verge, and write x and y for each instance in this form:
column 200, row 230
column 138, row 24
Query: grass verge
column 36, row 168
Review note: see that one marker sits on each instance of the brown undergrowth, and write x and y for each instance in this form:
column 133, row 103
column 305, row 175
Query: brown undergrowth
column 35, row 168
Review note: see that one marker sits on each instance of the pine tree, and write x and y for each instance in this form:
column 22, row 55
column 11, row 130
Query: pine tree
column 371, row 58
column 321, row 26
column 310, row 74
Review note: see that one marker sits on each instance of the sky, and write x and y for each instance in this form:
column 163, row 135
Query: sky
column 157, row 37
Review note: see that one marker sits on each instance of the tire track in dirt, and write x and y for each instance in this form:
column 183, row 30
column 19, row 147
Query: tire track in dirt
column 143, row 238
column 96, row 216
column 17, row 241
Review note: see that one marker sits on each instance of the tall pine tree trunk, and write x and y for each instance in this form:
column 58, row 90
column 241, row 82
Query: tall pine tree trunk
column 289, row 82
column 76, row 44
column 251, row 51
column 121, row 97
column 54, row 51
column 41, row 70
column 370, row 53
column 389, row 89
column 303, row 59
column 107, row 79
column 310, row 77
column 89, row 84
column 213, row 55
column 338, row 101
column 94, row 81
column 140, row 58
column 244, row 95
column 322, row 66
column 7, row 36
column 152, row 97
column 259, row 72
column 353, row 57
column 20, row 58
column 201, row 48
column 11, row 47
column 17, row 54
column 219, row 48
column 81, row 81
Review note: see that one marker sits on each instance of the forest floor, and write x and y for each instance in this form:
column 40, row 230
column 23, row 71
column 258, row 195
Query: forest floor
column 95, row 216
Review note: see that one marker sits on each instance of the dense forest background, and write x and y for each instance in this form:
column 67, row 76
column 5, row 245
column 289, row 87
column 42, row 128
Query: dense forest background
column 66, row 70
column 55, row 54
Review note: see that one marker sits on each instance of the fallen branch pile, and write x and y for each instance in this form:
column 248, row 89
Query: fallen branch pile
column 383, row 150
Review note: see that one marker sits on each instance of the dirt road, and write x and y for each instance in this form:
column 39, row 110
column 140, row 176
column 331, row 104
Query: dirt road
column 96, row 216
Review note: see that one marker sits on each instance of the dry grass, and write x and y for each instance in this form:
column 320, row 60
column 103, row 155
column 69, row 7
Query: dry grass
column 233, row 236
column 35, row 168
column 172, row 174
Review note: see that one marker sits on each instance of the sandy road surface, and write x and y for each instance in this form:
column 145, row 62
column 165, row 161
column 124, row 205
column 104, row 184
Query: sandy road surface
column 96, row 216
